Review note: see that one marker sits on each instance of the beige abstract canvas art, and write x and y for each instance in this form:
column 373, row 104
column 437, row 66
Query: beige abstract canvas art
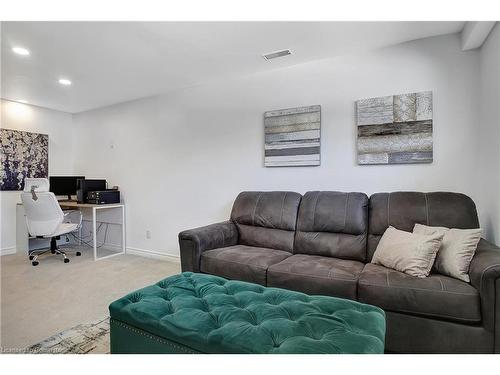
column 395, row 129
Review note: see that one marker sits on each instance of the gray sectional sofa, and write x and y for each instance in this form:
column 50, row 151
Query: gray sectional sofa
column 322, row 243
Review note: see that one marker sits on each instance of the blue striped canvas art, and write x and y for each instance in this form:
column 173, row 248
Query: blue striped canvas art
column 292, row 137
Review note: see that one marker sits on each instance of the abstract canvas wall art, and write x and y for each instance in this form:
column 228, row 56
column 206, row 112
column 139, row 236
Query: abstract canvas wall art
column 292, row 137
column 24, row 155
column 395, row 129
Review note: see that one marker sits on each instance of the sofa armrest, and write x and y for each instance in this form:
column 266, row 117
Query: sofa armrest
column 484, row 274
column 194, row 242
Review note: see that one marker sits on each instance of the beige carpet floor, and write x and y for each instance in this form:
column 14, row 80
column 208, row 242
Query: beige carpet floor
column 38, row 302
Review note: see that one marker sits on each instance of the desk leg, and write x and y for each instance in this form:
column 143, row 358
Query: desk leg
column 94, row 231
column 124, row 247
column 94, row 220
column 22, row 235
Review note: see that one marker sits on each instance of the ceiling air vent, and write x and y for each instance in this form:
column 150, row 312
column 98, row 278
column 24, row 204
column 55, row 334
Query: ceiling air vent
column 273, row 55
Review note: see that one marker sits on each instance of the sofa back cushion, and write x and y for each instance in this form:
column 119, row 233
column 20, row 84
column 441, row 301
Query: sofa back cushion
column 266, row 219
column 403, row 210
column 334, row 224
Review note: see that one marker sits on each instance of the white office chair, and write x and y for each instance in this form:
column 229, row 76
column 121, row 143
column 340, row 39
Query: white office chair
column 44, row 217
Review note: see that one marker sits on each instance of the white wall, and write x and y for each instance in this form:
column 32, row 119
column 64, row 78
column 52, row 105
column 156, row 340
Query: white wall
column 488, row 180
column 58, row 125
column 181, row 159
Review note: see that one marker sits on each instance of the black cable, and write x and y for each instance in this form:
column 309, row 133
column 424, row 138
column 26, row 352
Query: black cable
column 106, row 233
column 89, row 236
column 97, row 234
column 85, row 238
column 90, row 244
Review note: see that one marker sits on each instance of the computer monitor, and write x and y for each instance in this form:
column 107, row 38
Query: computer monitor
column 64, row 185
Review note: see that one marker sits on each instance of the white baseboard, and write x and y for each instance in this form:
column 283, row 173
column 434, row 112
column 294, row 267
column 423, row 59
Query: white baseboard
column 8, row 250
column 153, row 254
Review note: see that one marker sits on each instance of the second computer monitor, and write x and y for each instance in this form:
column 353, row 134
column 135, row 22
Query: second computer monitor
column 84, row 186
column 64, row 185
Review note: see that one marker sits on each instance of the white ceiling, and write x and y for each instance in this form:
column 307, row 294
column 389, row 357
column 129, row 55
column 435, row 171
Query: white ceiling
column 111, row 62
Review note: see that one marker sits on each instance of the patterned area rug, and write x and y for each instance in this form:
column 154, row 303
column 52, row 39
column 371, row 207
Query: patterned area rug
column 90, row 338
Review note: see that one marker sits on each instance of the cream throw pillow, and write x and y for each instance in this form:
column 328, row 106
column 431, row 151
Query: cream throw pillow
column 407, row 252
column 457, row 249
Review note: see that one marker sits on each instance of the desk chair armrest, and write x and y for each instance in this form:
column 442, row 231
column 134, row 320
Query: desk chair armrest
column 194, row 242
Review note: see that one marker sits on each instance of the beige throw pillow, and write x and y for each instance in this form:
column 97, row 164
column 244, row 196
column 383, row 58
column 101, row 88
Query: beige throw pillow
column 407, row 252
column 457, row 249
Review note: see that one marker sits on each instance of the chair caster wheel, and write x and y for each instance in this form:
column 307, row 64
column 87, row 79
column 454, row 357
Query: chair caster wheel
column 35, row 263
column 31, row 257
column 66, row 260
column 53, row 251
column 78, row 253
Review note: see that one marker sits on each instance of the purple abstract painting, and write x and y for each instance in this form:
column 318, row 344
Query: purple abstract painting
column 24, row 154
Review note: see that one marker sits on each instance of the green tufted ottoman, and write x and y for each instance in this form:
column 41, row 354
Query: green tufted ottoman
column 199, row 313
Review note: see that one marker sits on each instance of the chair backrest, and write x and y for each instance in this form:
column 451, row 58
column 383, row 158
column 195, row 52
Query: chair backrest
column 43, row 213
column 266, row 219
column 404, row 209
column 332, row 223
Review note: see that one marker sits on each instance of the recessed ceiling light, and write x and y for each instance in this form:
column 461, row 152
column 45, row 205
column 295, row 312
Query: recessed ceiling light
column 23, row 101
column 65, row 82
column 21, row 51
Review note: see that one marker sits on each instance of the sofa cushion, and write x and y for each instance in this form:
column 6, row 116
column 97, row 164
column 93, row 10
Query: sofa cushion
column 407, row 252
column 435, row 296
column 332, row 224
column 403, row 210
column 241, row 262
column 266, row 219
column 313, row 274
column 456, row 251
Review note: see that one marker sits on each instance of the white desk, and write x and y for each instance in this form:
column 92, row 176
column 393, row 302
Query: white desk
column 113, row 214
